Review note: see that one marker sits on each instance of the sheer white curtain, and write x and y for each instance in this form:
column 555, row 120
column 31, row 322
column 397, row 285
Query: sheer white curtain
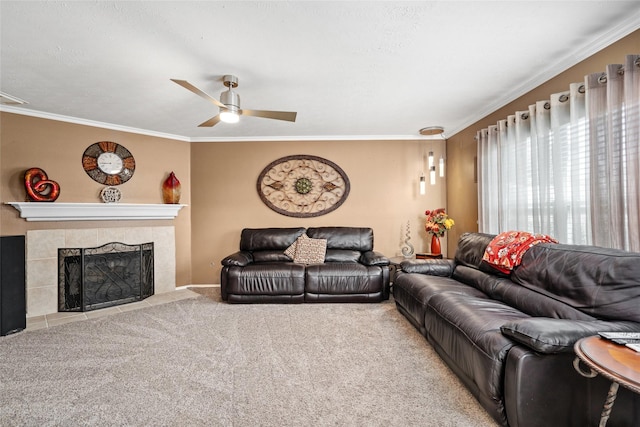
column 568, row 166
column 614, row 131
column 533, row 170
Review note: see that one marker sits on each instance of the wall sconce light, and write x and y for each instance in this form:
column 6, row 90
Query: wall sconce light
column 434, row 132
column 423, row 184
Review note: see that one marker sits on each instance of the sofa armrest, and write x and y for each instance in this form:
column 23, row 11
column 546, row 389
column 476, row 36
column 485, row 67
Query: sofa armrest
column 238, row 259
column 546, row 335
column 432, row 267
column 373, row 258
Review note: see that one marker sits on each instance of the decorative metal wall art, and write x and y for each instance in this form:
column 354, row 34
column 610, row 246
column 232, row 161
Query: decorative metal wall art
column 39, row 187
column 303, row 186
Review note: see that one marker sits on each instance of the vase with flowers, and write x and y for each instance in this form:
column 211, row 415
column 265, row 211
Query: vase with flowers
column 436, row 224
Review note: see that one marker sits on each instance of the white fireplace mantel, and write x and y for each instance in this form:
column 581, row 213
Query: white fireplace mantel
column 48, row 211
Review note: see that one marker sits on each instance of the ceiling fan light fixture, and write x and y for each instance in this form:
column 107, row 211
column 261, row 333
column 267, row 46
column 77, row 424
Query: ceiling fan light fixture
column 229, row 105
column 232, row 101
column 229, row 116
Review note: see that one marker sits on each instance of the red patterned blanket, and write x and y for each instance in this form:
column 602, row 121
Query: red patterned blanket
column 505, row 251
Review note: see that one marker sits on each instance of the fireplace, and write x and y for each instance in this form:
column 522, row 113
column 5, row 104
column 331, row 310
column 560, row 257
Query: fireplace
column 104, row 276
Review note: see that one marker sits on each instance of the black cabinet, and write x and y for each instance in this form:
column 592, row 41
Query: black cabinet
column 13, row 309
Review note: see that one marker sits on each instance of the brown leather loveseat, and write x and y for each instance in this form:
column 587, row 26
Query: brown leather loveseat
column 348, row 270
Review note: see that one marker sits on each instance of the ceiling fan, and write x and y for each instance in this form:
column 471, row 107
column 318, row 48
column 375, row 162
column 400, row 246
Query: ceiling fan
column 229, row 104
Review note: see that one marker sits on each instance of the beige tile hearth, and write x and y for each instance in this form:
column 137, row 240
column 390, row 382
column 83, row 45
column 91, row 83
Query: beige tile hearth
column 42, row 259
column 54, row 319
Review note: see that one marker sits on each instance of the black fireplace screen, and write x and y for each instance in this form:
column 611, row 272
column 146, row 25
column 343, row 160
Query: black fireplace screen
column 112, row 274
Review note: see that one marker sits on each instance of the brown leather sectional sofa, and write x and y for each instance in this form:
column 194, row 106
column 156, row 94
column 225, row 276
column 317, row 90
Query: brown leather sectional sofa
column 510, row 338
column 260, row 272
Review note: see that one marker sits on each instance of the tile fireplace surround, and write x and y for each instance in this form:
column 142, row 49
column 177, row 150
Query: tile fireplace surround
column 42, row 258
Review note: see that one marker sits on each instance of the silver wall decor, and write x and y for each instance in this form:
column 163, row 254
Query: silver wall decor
column 303, row 186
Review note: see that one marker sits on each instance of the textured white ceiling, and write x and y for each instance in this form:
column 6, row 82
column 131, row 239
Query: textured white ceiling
column 350, row 69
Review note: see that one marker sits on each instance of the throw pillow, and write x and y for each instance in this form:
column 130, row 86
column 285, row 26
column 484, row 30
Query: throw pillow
column 291, row 250
column 310, row 251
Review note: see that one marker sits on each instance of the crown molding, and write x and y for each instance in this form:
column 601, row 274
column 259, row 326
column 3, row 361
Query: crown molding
column 93, row 123
column 319, row 138
column 617, row 32
column 111, row 126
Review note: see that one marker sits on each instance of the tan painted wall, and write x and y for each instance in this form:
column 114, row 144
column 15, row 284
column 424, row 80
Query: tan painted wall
column 384, row 194
column 461, row 147
column 57, row 148
column 219, row 185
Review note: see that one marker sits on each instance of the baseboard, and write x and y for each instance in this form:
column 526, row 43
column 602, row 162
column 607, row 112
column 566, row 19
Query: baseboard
column 197, row 286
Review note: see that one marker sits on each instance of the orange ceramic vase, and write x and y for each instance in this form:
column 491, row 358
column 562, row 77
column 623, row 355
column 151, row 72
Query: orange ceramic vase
column 171, row 189
column 435, row 245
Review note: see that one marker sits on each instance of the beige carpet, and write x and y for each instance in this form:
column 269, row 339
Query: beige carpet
column 201, row 362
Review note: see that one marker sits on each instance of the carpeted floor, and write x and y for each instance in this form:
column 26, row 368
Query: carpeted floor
column 201, row 362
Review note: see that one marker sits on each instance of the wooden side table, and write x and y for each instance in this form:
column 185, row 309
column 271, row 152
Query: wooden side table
column 617, row 363
column 428, row 256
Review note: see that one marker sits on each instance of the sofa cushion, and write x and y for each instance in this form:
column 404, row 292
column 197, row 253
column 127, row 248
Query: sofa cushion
column 477, row 318
column 486, row 282
column 501, row 288
column 600, row 282
column 465, row 331
column 342, row 255
column 239, row 259
column 310, row 251
column 535, row 303
column 353, row 238
column 270, row 256
column 343, row 278
column 266, row 279
column 412, row 292
column 431, row 267
column 374, row 258
column 471, row 248
column 261, row 239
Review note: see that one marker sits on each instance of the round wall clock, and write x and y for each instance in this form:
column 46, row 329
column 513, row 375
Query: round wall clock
column 303, row 186
column 108, row 163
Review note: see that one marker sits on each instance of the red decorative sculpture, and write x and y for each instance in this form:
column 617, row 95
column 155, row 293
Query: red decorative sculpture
column 39, row 187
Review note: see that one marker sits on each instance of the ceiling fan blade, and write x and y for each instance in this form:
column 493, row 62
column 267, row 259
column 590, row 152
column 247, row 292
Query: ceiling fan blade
column 185, row 84
column 211, row 122
column 288, row 116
